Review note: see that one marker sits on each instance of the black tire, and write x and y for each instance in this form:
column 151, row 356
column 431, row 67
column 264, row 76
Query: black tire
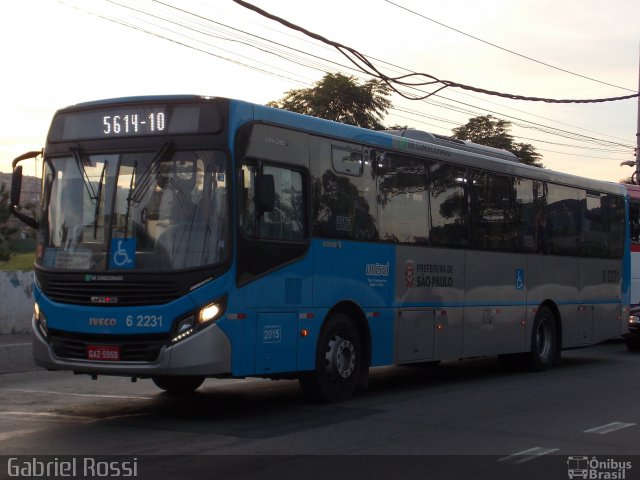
column 338, row 362
column 544, row 341
column 633, row 344
column 178, row 384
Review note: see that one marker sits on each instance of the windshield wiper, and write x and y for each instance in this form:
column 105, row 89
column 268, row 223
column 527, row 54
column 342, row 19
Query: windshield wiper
column 85, row 177
column 99, row 194
column 141, row 187
column 126, row 217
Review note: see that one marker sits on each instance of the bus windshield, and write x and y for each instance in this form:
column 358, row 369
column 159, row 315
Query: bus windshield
column 161, row 210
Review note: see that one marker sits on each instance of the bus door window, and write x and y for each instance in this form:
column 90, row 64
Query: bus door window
column 270, row 239
column 449, row 206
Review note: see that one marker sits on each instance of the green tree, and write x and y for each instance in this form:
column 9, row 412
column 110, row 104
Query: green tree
column 5, row 230
column 342, row 99
column 493, row 132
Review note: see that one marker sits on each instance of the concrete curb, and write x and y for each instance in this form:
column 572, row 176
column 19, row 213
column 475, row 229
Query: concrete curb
column 15, row 354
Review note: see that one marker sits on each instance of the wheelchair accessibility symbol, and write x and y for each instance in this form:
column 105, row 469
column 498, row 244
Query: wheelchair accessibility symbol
column 519, row 279
column 123, row 253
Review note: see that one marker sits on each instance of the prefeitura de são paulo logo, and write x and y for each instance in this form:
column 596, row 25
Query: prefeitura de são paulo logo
column 408, row 273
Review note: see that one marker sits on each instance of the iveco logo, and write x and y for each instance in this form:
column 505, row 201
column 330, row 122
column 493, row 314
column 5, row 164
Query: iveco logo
column 102, row 322
column 104, row 300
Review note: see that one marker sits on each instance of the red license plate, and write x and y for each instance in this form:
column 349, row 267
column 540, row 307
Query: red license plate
column 103, row 353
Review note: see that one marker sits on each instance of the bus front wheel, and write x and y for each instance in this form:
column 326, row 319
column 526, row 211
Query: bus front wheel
column 544, row 341
column 338, row 361
column 178, row 384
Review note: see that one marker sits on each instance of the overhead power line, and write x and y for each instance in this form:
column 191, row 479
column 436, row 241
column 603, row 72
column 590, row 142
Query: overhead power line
column 199, row 25
column 414, row 79
column 505, row 49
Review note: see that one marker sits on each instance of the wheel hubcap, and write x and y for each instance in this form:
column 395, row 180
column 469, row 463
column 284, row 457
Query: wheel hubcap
column 543, row 340
column 341, row 357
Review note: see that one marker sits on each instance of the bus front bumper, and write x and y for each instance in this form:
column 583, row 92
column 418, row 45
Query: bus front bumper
column 206, row 353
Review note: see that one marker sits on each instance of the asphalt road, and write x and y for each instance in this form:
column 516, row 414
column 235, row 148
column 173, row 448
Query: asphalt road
column 470, row 416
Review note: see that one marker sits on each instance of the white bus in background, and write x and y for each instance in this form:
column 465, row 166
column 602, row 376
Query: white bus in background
column 633, row 338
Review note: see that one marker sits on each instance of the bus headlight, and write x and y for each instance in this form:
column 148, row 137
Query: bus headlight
column 41, row 321
column 634, row 321
column 209, row 313
column 190, row 324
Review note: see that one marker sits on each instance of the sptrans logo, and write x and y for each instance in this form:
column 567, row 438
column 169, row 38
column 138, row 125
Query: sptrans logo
column 378, row 269
column 377, row 274
column 592, row 468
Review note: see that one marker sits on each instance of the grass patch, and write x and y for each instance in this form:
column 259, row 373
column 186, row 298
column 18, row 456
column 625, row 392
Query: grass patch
column 19, row 262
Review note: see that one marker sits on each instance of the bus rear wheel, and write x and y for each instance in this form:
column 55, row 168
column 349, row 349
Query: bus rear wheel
column 178, row 384
column 338, row 362
column 544, row 341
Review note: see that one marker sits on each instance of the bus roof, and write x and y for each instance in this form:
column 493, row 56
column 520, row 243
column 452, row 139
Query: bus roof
column 467, row 153
column 414, row 141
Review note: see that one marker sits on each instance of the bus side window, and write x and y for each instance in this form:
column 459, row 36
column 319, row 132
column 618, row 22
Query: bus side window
column 403, row 198
column 287, row 220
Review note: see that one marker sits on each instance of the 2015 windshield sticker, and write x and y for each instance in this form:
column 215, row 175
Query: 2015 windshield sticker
column 377, row 274
column 427, row 275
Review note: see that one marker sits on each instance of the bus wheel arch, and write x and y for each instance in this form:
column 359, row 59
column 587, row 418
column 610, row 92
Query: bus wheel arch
column 342, row 356
column 558, row 323
column 358, row 317
column 546, row 337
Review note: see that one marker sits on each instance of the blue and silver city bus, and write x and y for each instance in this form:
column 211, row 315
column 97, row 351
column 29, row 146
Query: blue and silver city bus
column 184, row 237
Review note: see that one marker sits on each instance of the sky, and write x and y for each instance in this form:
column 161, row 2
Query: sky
column 55, row 53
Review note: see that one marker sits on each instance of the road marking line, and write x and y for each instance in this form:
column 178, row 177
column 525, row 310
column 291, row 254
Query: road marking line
column 49, row 415
column 91, row 395
column 609, row 427
column 15, row 344
column 4, row 436
column 527, row 455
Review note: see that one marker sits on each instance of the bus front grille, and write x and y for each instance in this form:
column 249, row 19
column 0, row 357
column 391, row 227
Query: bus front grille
column 110, row 294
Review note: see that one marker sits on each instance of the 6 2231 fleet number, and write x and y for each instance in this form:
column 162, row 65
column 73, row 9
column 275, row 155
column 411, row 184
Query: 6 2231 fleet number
column 144, row 321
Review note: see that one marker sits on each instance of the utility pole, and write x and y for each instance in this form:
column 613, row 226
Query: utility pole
column 637, row 175
column 635, row 178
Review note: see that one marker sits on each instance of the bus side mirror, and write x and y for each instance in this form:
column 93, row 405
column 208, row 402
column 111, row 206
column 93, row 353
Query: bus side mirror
column 16, row 186
column 266, row 194
column 16, row 189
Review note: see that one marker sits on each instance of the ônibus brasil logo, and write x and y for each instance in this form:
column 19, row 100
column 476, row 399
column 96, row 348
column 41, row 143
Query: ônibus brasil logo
column 591, row 468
